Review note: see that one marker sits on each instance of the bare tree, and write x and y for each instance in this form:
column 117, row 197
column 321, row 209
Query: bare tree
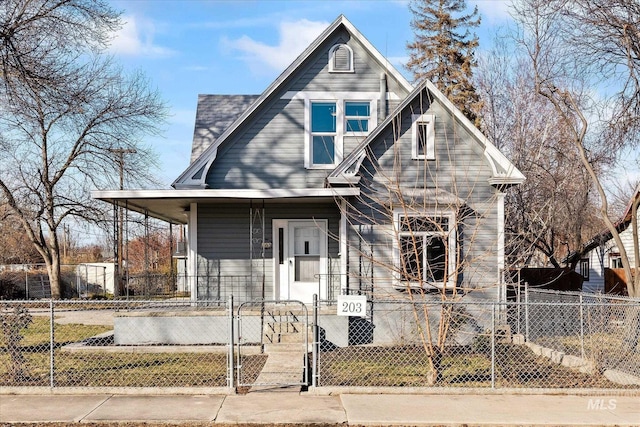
column 578, row 52
column 16, row 248
column 554, row 212
column 64, row 108
column 424, row 228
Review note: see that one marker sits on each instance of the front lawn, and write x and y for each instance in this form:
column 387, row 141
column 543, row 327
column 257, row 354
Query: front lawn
column 461, row 366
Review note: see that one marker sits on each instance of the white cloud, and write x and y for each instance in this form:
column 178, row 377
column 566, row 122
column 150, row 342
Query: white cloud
column 294, row 38
column 136, row 38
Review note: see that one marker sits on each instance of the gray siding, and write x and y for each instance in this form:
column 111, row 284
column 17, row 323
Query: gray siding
column 224, row 243
column 268, row 150
column 460, row 168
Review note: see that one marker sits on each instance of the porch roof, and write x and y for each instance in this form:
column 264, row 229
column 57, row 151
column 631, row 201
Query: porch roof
column 173, row 205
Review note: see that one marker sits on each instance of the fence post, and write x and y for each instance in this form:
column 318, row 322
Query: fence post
column 581, row 327
column 230, row 359
column 51, row 344
column 526, row 311
column 518, row 308
column 314, row 348
column 493, row 346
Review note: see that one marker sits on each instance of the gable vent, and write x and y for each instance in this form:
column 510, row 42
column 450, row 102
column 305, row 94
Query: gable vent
column 340, row 58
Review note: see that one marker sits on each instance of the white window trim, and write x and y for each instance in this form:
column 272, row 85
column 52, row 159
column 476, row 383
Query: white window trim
column 331, row 61
column 339, row 99
column 451, row 247
column 430, row 149
column 345, row 117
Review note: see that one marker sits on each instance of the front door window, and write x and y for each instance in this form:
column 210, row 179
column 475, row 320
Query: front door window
column 306, row 253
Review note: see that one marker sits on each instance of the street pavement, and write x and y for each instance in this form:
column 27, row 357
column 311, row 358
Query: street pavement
column 310, row 408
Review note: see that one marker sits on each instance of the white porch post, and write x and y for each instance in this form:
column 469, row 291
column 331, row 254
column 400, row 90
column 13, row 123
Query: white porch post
column 344, row 254
column 502, row 289
column 192, row 257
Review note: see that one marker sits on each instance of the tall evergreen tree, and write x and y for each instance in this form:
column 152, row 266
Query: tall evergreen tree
column 443, row 50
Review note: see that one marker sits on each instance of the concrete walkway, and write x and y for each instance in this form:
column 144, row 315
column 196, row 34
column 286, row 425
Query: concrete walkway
column 308, row 408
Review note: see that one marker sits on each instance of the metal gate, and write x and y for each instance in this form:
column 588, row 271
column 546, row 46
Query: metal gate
column 273, row 344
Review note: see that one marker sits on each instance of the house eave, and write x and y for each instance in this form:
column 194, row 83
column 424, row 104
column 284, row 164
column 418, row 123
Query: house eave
column 343, row 180
column 502, row 182
column 173, row 205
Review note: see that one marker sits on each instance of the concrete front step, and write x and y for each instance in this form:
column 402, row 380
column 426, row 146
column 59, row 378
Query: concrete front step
column 286, row 347
column 287, row 333
column 298, row 338
column 284, row 327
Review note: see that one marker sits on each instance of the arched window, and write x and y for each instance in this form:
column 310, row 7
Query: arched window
column 341, row 59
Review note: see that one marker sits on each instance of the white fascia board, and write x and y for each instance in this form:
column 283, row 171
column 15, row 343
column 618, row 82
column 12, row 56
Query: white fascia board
column 376, row 54
column 273, row 193
column 344, row 179
column 491, row 152
column 184, row 180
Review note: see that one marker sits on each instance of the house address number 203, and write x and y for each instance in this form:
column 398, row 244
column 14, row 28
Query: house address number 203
column 352, row 305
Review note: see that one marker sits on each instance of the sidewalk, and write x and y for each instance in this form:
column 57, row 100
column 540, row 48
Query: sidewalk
column 266, row 407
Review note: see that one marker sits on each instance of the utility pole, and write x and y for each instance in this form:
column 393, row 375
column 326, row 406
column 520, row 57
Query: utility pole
column 118, row 287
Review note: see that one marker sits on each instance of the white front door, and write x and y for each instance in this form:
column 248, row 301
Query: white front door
column 300, row 256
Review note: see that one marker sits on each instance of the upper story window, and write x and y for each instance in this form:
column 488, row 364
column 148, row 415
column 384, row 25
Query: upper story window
column 323, row 133
column 340, row 59
column 357, row 115
column 426, row 250
column 329, row 121
column 423, row 136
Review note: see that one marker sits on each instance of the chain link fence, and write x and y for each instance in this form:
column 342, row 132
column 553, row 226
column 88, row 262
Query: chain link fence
column 546, row 341
column 113, row 344
column 598, row 332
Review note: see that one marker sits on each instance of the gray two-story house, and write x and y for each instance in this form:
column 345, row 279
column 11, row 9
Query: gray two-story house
column 341, row 177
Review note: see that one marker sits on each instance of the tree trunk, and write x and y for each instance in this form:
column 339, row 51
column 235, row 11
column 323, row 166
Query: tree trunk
column 55, row 275
column 435, row 362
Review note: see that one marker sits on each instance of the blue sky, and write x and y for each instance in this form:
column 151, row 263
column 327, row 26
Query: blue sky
column 188, row 47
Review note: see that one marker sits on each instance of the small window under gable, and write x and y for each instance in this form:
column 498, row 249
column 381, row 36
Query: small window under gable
column 340, row 59
column 357, row 115
column 423, row 136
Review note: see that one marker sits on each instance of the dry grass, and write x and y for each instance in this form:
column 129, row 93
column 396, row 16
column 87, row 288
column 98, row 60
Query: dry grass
column 516, row 366
column 96, row 368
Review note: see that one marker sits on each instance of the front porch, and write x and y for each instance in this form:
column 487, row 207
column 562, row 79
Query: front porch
column 253, row 244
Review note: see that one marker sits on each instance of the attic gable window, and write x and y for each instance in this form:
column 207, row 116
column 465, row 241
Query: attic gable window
column 340, row 59
column 423, row 137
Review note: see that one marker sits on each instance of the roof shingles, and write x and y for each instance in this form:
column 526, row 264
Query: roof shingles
column 216, row 113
